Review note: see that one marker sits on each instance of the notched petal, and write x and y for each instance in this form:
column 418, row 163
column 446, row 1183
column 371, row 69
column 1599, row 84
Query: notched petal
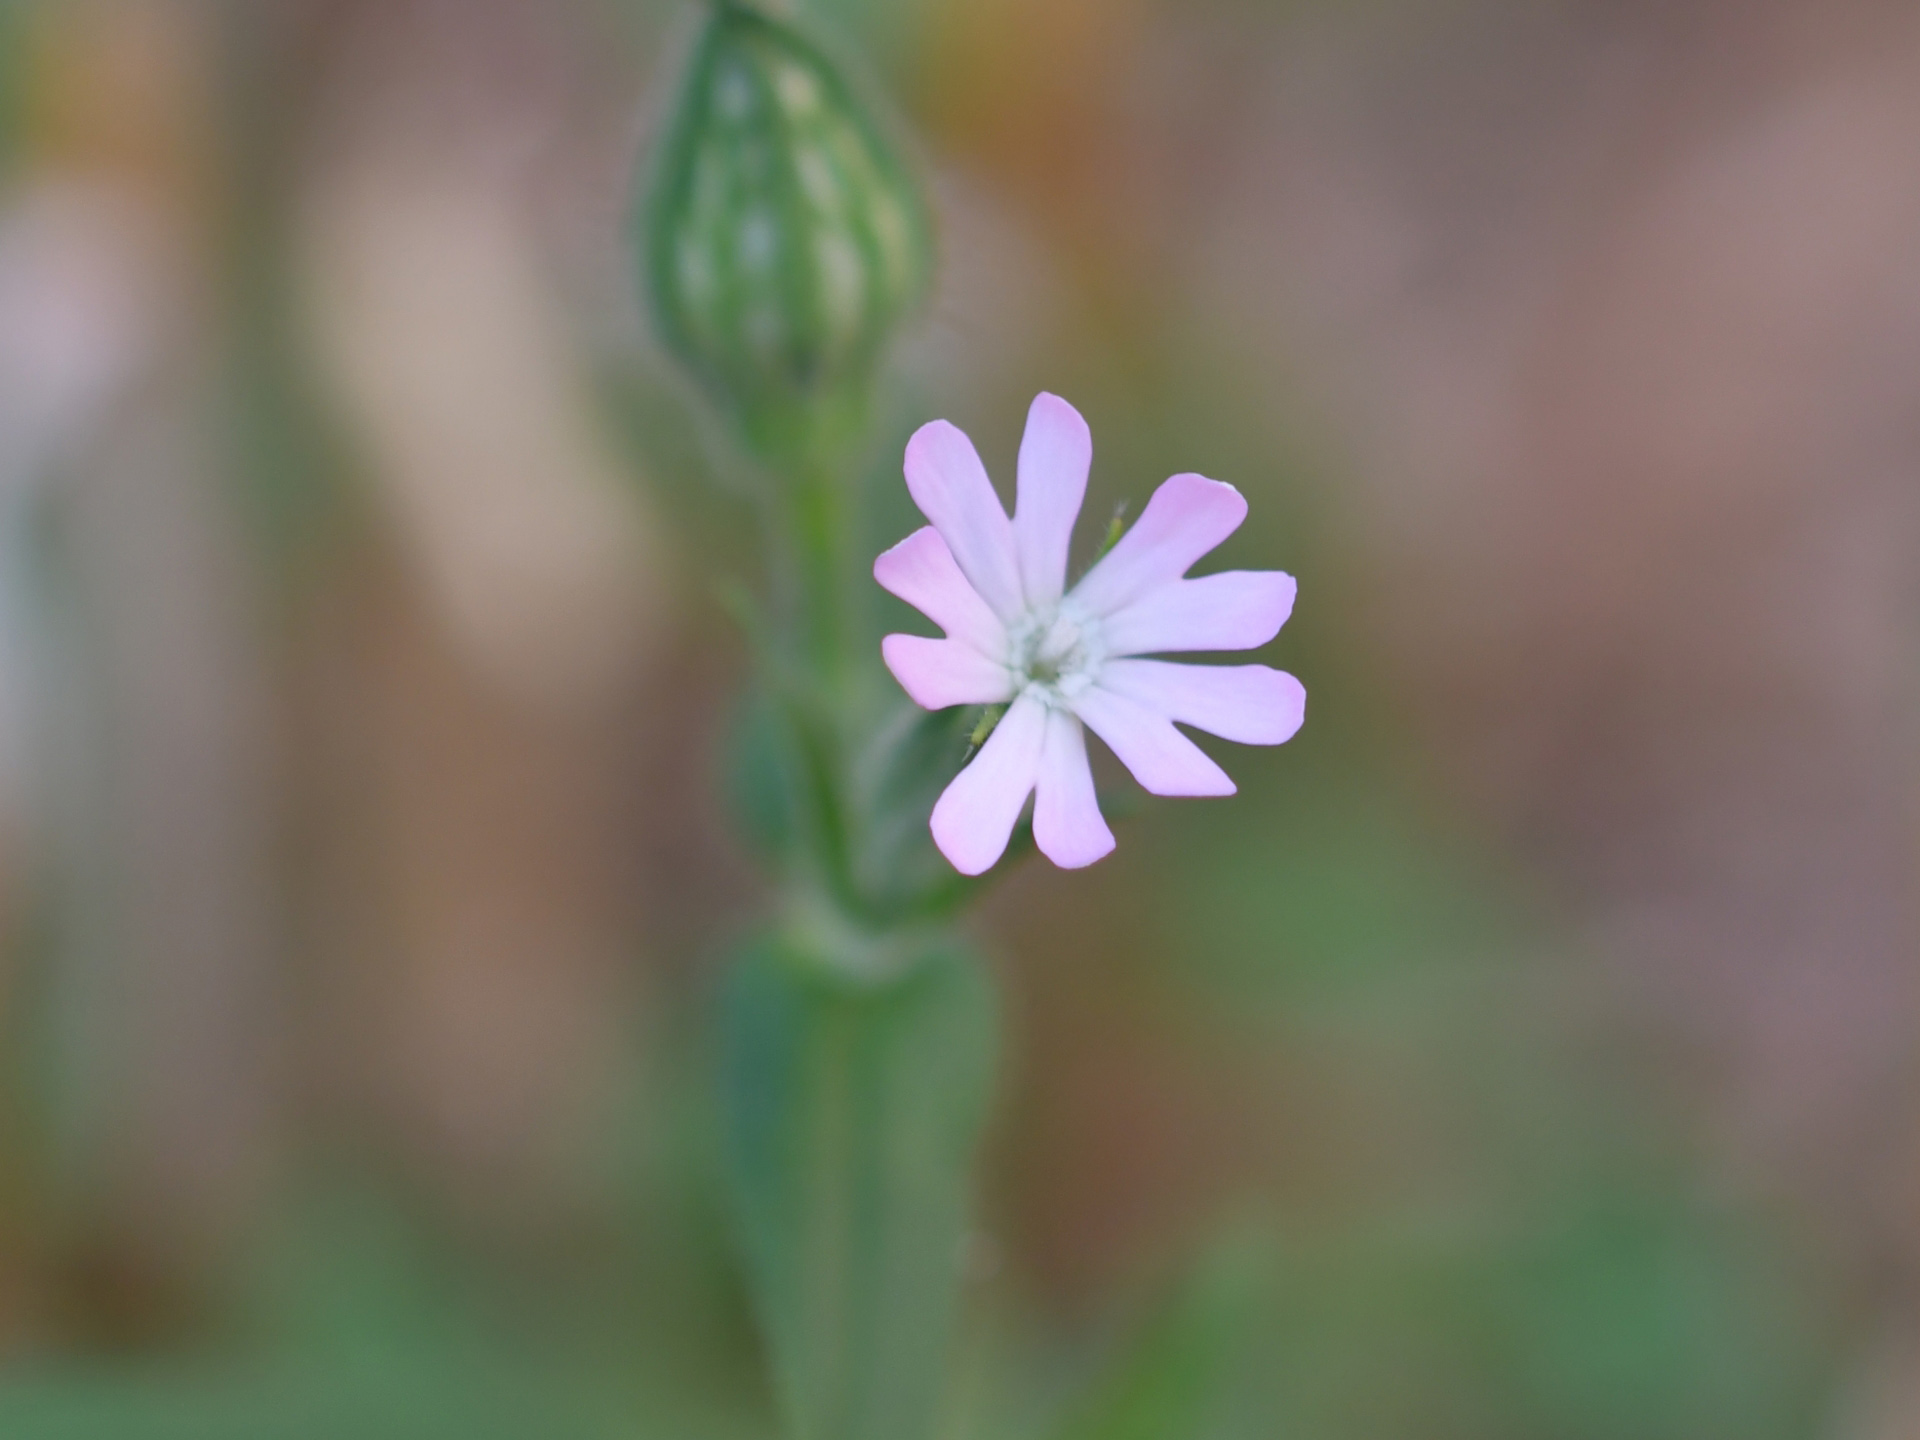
column 1164, row 761
column 1188, row 516
column 1067, row 823
column 1248, row 704
column 975, row 815
column 921, row 571
column 1056, row 452
column 1234, row 610
column 950, row 485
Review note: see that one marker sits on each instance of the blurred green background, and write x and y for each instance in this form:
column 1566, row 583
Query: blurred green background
column 1525, row 1054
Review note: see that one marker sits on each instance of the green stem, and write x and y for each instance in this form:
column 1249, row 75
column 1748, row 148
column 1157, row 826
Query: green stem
column 808, row 516
column 815, row 506
column 809, row 450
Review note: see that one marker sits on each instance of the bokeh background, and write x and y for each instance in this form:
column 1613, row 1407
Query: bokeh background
column 1526, row 1054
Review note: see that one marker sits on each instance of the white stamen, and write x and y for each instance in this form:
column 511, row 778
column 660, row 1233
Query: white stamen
column 1056, row 654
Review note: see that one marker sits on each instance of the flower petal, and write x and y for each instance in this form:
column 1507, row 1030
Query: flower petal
column 1187, row 516
column 921, row 571
column 1067, row 824
column 1164, row 761
column 1250, row 704
column 1234, row 610
column 1055, row 454
column 950, row 485
column 939, row 673
column 974, row 817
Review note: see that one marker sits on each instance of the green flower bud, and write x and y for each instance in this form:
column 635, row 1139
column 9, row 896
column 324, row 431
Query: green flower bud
column 785, row 237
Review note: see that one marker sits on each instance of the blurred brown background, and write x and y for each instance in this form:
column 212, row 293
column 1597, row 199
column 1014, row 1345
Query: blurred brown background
column 1534, row 1036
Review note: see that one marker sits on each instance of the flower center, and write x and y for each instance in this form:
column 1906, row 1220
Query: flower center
column 1055, row 652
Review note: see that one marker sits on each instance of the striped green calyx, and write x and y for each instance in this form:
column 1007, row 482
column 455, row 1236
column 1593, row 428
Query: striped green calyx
column 785, row 237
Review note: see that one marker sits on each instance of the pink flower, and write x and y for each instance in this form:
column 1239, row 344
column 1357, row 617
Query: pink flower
column 1058, row 660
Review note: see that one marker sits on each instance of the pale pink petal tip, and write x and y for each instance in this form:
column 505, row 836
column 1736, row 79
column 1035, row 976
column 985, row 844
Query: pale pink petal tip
column 1188, row 516
column 1056, row 452
column 1067, row 823
column 1164, row 761
column 975, row 815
